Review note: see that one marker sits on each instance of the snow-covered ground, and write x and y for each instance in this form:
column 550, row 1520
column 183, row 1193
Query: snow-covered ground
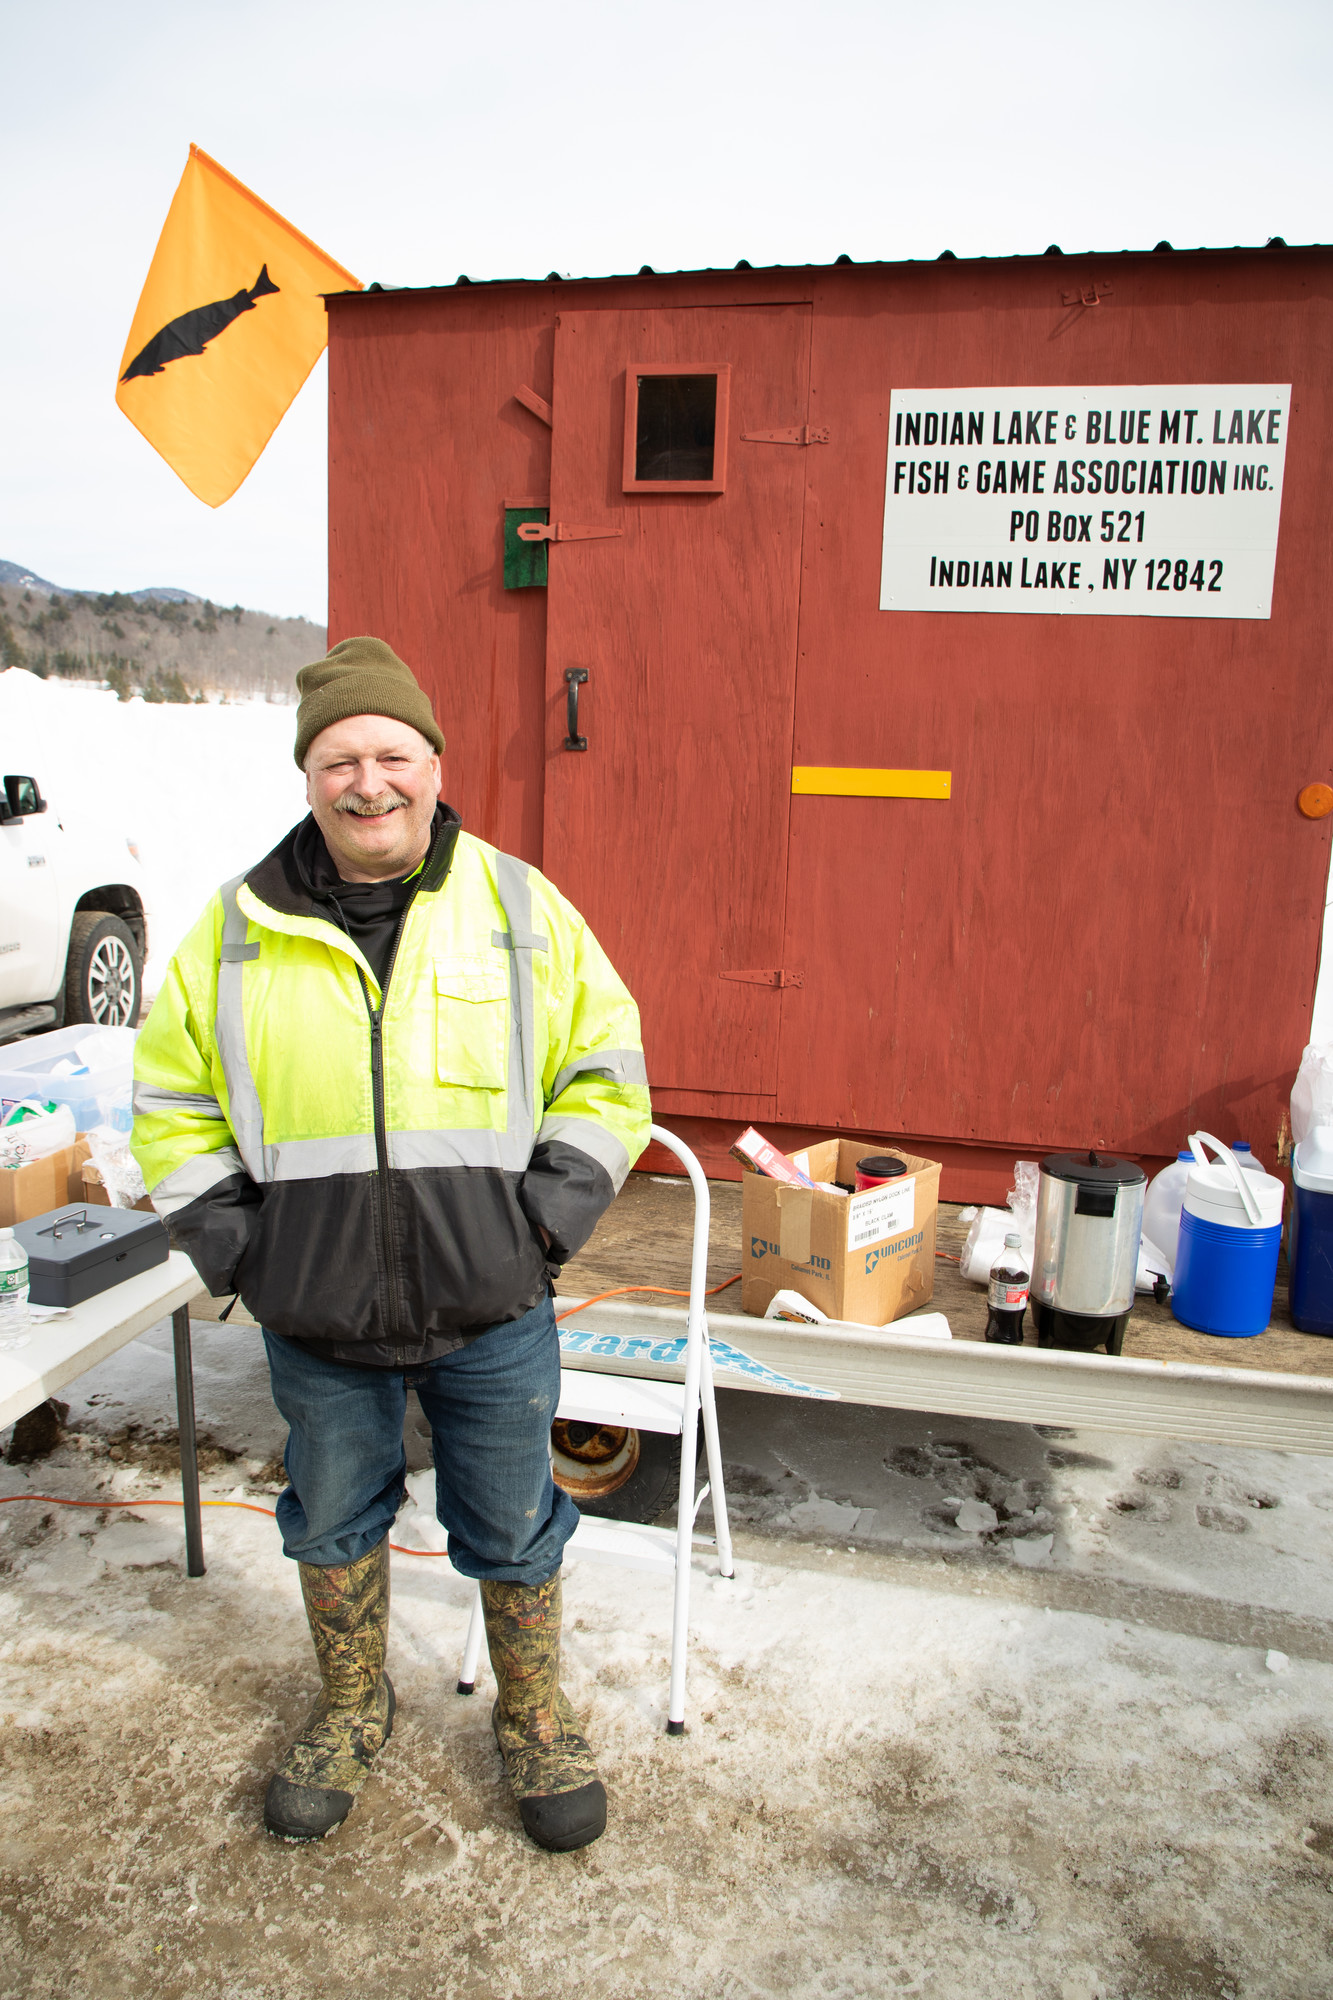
column 203, row 790
column 912, row 1767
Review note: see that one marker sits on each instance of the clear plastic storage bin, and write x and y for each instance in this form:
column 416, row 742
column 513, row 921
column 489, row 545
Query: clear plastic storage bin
column 100, row 1095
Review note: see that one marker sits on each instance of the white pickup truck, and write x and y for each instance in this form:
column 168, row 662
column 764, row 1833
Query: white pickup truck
column 73, row 921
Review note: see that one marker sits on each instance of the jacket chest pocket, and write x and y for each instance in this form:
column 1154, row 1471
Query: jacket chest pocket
column 472, row 1021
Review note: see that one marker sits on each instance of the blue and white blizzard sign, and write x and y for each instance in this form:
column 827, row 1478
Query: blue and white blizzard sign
column 727, row 1360
column 1128, row 502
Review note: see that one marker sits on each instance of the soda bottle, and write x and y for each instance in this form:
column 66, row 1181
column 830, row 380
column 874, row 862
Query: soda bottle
column 13, row 1292
column 1008, row 1294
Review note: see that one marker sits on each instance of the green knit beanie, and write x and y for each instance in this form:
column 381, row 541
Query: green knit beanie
column 360, row 677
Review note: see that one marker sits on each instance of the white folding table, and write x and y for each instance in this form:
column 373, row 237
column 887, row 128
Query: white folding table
column 61, row 1349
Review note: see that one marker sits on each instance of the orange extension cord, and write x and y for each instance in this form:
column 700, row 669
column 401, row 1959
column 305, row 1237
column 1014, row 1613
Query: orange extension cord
column 667, row 1291
column 247, row 1506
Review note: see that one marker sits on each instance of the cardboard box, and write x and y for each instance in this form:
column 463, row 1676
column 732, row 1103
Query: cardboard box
column 93, row 1189
column 868, row 1257
column 42, row 1185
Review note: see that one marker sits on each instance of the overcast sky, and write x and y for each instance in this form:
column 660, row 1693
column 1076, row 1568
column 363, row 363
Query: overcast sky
column 415, row 141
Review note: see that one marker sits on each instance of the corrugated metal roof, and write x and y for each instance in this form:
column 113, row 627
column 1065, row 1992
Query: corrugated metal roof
column 865, row 264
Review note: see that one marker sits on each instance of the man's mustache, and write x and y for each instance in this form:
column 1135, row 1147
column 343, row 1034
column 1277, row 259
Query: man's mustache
column 383, row 802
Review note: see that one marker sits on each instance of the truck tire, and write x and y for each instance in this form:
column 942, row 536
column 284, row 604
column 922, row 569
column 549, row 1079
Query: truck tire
column 103, row 972
column 621, row 1475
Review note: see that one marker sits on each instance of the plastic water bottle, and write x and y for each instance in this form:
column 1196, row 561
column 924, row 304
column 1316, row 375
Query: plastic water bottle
column 13, row 1292
column 1246, row 1157
column 1007, row 1297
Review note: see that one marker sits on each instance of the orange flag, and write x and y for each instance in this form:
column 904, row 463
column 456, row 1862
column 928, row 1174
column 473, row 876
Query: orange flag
column 229, row 324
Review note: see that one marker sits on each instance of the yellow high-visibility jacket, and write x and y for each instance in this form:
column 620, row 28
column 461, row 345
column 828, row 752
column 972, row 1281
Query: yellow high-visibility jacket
column 369, row 1169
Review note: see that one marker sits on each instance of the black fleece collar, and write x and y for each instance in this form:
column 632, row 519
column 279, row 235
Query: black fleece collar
column 296, row 876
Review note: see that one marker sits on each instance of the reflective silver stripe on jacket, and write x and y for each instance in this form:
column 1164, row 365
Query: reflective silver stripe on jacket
column 456, row 1149
column 247, row 1117
column 316, row 1159
column 620, row 1065
column 513, row 883
column 154, row 1099
column 199, row 1173
column 590, row 1137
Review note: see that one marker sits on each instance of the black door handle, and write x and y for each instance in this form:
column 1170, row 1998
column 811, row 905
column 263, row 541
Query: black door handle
column 574, row 680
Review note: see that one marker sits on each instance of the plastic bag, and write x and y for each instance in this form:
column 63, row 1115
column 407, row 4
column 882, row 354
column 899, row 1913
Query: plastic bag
column 990, row 1226
column 1022, row 1199
column 1312, row 1092
column 109, row 1151
column 115, row 1109
column 31, row 1132
column 985, row 1240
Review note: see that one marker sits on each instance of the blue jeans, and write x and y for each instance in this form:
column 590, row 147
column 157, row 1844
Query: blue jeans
column 489, row 1406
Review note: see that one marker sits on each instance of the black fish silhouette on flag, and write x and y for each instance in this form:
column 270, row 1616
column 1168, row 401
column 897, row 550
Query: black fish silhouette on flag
column 191, row 332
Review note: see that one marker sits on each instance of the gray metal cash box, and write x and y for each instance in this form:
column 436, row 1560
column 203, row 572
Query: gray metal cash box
column 77, row 1251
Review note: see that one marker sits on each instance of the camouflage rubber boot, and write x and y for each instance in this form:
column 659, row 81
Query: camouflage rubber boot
column 547, row 1761
column 313, row 1788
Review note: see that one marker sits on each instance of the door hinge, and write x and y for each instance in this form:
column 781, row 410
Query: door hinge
column 799, row 434
column 562, row 531
column 769, row 977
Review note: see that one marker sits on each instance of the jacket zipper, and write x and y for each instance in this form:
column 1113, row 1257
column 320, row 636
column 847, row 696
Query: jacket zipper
column 394, row 1327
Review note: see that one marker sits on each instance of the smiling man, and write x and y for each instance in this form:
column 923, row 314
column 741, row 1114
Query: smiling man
column 388, row 1086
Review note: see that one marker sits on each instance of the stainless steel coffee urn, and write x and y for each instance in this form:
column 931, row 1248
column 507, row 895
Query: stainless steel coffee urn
column 1089, row 1221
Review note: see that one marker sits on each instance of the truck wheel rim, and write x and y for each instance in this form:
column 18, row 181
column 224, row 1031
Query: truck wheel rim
column 589, row 1461
column 111, row 983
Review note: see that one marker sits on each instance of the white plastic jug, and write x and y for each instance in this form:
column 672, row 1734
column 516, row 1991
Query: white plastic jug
column 1162, row 1205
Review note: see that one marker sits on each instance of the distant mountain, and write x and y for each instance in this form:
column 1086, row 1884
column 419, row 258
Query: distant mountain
column 14, row 576
column 163, row 642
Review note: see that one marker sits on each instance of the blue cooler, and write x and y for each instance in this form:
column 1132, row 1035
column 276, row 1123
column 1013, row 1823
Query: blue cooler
column 1310, row 1250
column 1230, row 1235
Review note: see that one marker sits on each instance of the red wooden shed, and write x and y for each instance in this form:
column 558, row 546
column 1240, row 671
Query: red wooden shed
column 946, row 691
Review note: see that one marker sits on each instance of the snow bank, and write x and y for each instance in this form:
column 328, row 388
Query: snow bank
column 203, row 791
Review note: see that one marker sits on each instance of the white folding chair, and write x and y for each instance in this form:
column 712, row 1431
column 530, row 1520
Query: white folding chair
column 587, row 1396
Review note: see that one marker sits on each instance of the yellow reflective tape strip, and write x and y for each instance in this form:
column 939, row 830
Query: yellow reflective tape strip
column 842, row 781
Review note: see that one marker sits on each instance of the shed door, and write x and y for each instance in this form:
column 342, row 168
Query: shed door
column 669, row 832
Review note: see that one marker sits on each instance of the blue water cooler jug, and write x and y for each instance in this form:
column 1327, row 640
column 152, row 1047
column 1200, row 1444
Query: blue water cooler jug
column 1310, row 1251
column 1230, row 1235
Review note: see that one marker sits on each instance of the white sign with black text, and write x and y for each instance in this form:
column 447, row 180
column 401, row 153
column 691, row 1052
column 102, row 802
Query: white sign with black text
column 881, row 1212
column 1155, row 502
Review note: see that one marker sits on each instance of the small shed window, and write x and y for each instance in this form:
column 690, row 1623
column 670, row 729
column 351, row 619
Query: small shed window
column 676, row 426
